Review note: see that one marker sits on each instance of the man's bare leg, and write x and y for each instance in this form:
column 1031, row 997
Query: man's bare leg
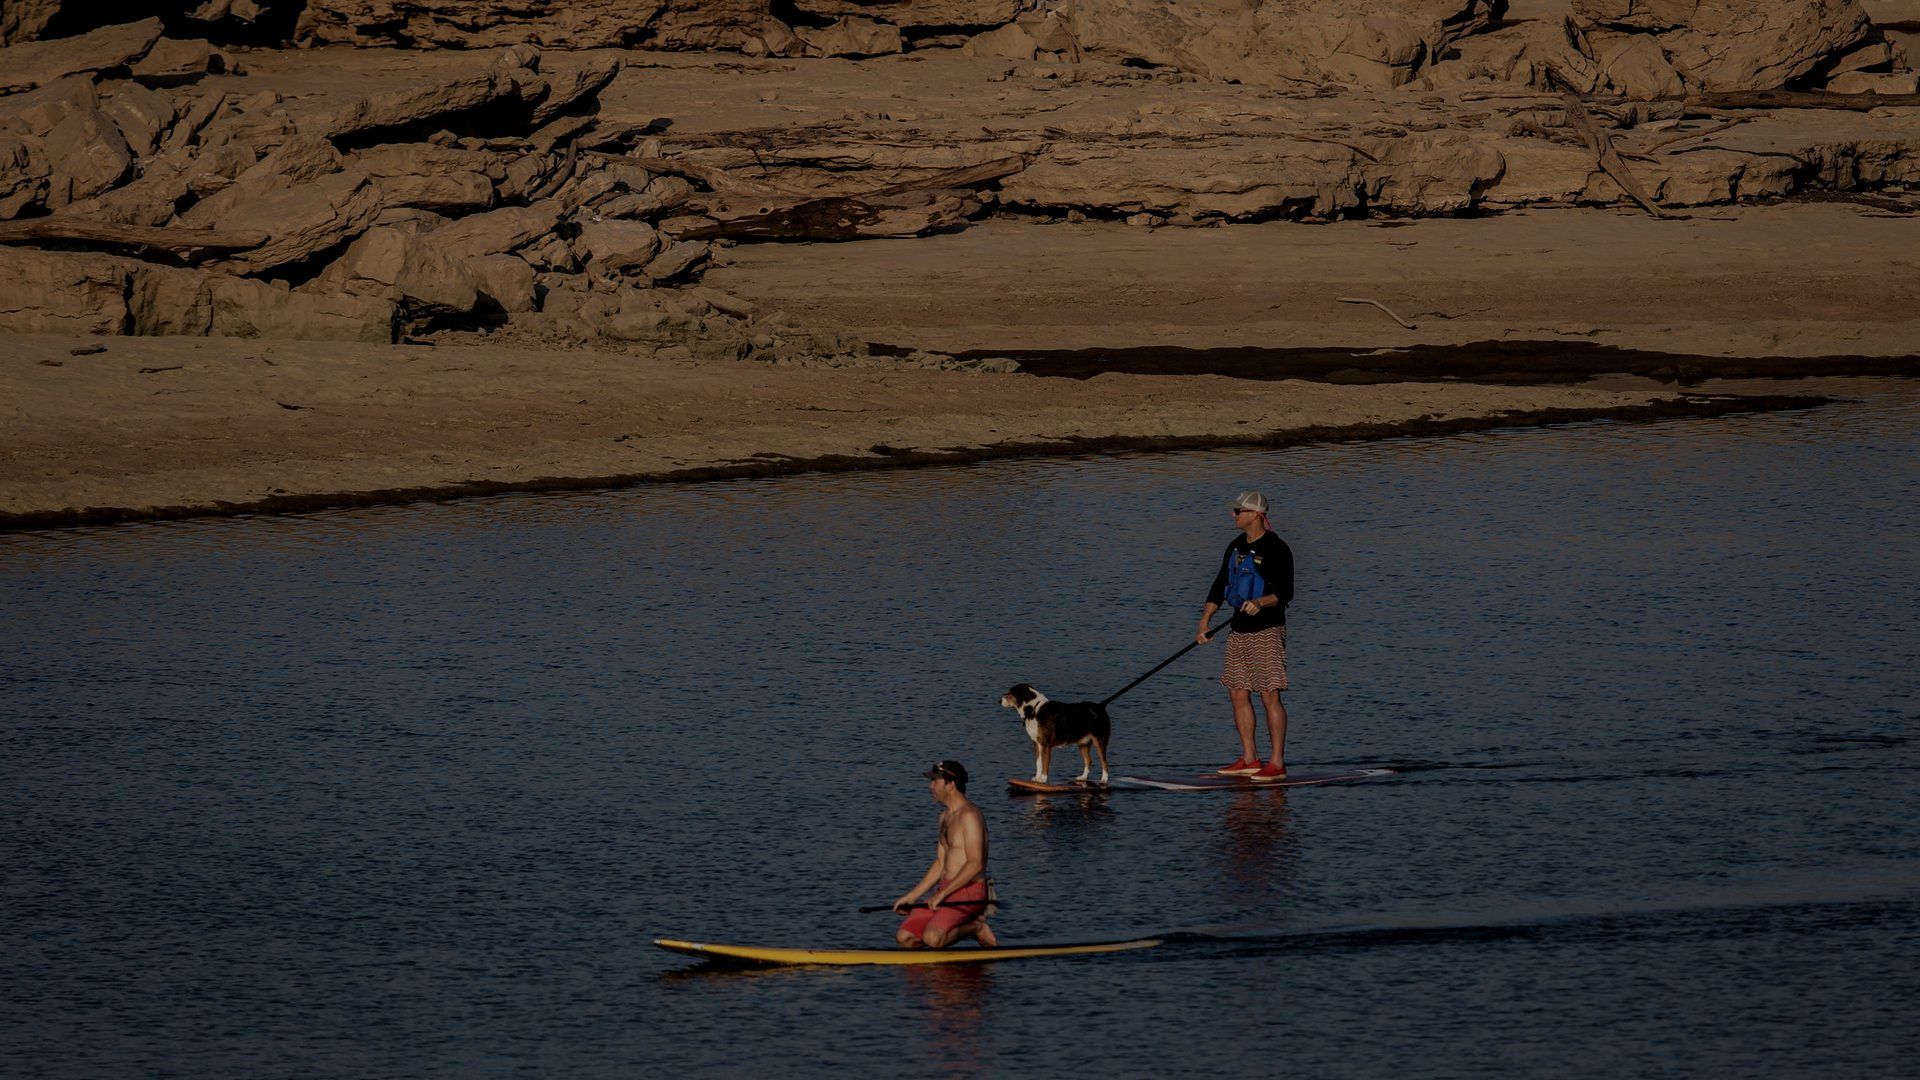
column 977, row 929
column 1243, row 721
column 1276, row 724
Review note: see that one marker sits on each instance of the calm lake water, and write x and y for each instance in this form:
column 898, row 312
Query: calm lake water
column 407, row 792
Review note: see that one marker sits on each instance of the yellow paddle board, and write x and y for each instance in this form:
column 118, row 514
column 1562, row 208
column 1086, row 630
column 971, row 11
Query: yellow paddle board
column 965, row 954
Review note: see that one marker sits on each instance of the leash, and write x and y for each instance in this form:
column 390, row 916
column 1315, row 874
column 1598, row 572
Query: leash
column 1156, row 668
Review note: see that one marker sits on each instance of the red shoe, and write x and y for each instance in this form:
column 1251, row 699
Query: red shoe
column 1240, row 767
column 1272, row 770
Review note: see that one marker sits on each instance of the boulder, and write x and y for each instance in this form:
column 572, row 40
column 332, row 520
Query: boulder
column 851, row 36
column 22, row 20
column 1729, row 45
column 1281, row 42
column 1010, row 42
column 170, row 301
column 679, row 260
column 1635, row 65
column 1874, row 82
column 37, row 63
column 661, row 195
column 497, row 232
column 40, row 111
column 614, row 246
column 579, row 24
column 63, row 292
column 417, row 106
column 175, row 63
column 403, row 267
column 298, row 161
column 23, row 178
column 450, row 193
column 142, row 115
column 571, row 83
column 85, row 155
column 304, row 219
column 506, row 280
column 246, row 308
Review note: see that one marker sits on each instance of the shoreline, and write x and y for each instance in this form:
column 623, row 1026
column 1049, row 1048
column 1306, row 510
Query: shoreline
column 252, row 431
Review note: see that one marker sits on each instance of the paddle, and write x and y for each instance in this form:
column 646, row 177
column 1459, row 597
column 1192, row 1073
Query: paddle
column 1156, row 668
column 889, row 907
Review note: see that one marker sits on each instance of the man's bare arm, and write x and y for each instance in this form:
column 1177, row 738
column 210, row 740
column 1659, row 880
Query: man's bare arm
column 932, row 875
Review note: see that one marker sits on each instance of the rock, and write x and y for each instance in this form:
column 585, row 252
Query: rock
column 506, row 280
column 37, row 63
column 170, row 301
column 142, row 115
column 247, row 308
column 298, row 161
column 451, row 193
column 195, row 118
column 402, row 267
column 1726, row 45
column 550, row 254
column 579, row 24
column 723, row 301
column 851, row 36
column 22, row 20
column 1359, row 42
column 1878, row 54
column 431, row 103
column 678, row 260
column 40, row 111
column 497, row 232
column 23, row 179
column 572, row 83
column 63, row 292
column 615, row 246
column 1011, row 42
column 86, row 155
column 1636, row 66
column 1868, row 82
column 662, row 194
column 176, row 63
column 304, row 219
column 919, row 13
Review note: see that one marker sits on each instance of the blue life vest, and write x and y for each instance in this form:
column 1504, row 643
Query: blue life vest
column 1244, row 582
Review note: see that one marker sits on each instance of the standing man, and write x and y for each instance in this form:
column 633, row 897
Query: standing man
column 1255, row 582
column 957, row 907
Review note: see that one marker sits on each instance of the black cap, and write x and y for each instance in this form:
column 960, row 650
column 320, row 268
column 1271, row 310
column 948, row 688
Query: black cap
column 948, row 770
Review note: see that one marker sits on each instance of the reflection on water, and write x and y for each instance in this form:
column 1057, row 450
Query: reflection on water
column 407, row 792
column 950, row 1001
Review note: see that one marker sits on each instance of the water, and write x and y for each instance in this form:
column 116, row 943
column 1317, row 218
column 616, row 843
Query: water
column 406, row 792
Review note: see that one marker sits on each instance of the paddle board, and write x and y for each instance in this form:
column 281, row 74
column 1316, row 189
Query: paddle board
column 1194, row 782
column 965, row 954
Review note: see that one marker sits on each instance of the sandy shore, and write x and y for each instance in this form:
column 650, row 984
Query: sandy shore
column 168, row 427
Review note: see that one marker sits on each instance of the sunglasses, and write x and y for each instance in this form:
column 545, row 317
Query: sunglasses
column 937, row 770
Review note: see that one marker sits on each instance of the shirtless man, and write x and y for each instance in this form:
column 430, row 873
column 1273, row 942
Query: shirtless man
column 957, row 907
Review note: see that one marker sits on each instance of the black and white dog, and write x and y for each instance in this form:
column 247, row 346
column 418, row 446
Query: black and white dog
column 1053, row 723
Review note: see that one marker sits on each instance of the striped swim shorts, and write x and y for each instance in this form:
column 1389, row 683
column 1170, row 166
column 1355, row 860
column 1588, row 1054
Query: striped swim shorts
column 1256, row 661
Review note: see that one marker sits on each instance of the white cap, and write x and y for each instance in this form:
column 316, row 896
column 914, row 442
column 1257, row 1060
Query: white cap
column 1251, row 500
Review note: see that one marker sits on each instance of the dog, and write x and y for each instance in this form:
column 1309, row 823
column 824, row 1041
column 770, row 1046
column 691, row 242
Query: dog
column 1054, row 723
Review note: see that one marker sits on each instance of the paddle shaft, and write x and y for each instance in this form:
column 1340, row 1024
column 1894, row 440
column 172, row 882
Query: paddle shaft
column 889, row 907
column 1191, row 645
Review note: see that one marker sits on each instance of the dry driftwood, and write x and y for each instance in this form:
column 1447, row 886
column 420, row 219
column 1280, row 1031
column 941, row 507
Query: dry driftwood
column 1684, row 136
column 1608, row 158
column 836, row 217
column 1801, row 99
column 182, row 242
column 1378, row 304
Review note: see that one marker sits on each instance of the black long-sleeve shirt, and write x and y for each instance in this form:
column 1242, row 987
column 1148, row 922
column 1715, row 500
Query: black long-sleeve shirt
column 1274, row 561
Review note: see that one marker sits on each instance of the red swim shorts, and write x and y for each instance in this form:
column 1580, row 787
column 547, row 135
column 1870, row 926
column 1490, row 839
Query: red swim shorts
column 969, row 902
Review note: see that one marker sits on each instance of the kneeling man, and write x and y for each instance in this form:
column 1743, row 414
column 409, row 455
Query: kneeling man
column 957, row 907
